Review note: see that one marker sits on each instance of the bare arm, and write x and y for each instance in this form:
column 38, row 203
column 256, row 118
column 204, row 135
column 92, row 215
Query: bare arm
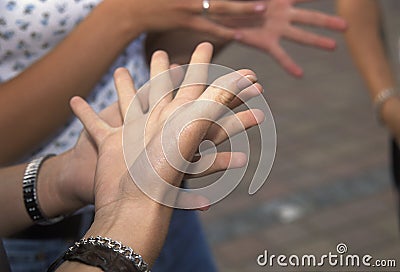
column 79, row 61
column 365, row 43
column 72, row 68
column 280, row 20
column 13, row 210
column 13, row 214
column 123, row 211
column 368, row 51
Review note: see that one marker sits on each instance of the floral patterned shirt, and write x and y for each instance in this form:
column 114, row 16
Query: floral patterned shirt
column 29, row 29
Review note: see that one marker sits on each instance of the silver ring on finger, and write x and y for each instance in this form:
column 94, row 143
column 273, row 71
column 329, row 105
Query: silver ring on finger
column 206, row 6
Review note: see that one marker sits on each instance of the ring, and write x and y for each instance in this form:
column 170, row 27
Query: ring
column 206, row 6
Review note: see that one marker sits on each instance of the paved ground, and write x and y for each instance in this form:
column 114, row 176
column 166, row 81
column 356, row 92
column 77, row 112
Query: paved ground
column 330, row 183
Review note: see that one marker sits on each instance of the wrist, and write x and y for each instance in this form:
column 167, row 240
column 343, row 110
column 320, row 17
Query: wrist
column 104, row 253
column 389, row 113
column 383, row 103
column 52, row 187
column 139, row 223
column 124, row 17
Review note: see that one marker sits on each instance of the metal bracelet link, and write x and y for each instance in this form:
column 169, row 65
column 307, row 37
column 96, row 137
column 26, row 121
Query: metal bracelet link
column 30, row 195
column 115, row 246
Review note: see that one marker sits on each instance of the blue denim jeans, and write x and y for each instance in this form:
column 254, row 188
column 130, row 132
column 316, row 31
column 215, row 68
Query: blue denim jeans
column 185, row 249
column 33, row 255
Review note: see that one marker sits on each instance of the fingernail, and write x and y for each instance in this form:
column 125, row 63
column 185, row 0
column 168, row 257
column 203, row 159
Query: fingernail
column 252, row 78
column 260, row 7
column 246, row 81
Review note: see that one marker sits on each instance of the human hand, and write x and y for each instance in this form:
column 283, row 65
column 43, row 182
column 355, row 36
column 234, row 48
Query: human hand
column 118, row 200
column 79, row 165
column 160, row 15
column 279, row 19
column 159, row 112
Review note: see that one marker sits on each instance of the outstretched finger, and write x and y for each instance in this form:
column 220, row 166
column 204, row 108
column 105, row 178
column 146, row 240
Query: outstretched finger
column 308, row 38
column 316, row 18
column 283, row 58
column 151, row 93
column 236, row 7
column 222, row 162
column 246, row 94
column 126, row 91
column 161, row 83
column 224, row 89
column 234, row 124
column 196, row 76
column 93, row 124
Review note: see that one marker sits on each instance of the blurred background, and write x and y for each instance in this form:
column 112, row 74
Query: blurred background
column 331, row 180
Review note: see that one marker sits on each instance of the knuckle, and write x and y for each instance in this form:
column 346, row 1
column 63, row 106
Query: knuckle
column 223, row 96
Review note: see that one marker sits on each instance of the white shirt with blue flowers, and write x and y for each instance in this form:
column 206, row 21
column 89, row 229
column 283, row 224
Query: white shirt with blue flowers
column 29, row 29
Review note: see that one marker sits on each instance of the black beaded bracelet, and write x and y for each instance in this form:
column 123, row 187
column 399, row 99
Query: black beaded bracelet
column 103, row 253
column 31, row 201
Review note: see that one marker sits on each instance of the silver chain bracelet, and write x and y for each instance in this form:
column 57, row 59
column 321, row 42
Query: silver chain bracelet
column 115, row 246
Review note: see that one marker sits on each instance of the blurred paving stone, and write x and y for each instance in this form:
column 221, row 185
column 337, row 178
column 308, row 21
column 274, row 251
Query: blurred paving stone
column 362, row 240
column 242, row 250
column 306, row 201
column 286, row 234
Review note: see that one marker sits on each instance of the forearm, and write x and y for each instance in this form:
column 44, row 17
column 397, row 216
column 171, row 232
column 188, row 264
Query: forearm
column 140, row 223
column 365, row 43
column 13, row 213
column 74, row 67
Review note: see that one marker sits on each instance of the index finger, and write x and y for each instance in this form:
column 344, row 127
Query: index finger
column 236, row 7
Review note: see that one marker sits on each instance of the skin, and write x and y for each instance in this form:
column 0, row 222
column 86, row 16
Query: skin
column 49, row 84
column 68, row 178
column 118, row 201
column 367, row 49
column 280, row 21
